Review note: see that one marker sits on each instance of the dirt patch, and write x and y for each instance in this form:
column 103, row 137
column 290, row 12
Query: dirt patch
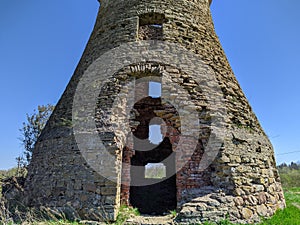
column 151, row 220
column 296, row 205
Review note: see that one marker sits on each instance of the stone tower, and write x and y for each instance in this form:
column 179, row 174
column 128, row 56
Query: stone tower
column 95, row 151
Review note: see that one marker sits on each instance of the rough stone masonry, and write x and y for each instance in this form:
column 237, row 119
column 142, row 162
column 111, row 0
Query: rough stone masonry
column 240, row 183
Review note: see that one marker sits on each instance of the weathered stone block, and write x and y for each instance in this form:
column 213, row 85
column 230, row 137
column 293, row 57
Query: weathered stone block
column 246, row 213
column 262, row 210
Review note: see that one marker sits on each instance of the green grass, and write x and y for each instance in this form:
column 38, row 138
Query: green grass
column 126, row 213
column 60, row 222
column 292, row 195
column 173, row 213
column 288, row 216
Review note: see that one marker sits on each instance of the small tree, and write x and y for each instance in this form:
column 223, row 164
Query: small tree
column 32, row 129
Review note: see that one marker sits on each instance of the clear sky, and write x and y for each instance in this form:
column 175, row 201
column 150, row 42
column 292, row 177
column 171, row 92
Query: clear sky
column 41, row 43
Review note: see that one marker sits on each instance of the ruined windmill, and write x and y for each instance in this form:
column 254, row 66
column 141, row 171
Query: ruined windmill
column 213, row 158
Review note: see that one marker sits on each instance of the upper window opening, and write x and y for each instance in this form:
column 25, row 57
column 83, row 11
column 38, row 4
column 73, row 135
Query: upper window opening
column 156, row 25
column 155, row 135
column 151, row 19
column 151, row 26
column 154, row 89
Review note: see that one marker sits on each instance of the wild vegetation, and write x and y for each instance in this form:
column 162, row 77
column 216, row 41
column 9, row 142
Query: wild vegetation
column 290, row 175
column 31, row 130
column 4, row 174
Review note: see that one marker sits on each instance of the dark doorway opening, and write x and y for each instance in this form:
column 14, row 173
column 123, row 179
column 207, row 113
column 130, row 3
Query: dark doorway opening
column 155, row 159
column 159, row 197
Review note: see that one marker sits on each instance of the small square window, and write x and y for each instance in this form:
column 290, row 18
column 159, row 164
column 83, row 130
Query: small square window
column 155, row 171
column 155, row 135
column 151, row 26
column 154, row 89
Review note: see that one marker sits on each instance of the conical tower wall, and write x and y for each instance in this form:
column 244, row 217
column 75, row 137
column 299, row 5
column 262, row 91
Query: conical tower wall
column 242, row 181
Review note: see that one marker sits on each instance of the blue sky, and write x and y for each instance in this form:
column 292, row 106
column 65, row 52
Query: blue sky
column 41, row 43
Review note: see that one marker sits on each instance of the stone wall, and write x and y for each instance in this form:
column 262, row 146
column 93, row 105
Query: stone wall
column 242, row 182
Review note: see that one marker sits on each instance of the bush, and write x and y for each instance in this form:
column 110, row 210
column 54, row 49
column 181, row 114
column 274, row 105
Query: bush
column 290, row 175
